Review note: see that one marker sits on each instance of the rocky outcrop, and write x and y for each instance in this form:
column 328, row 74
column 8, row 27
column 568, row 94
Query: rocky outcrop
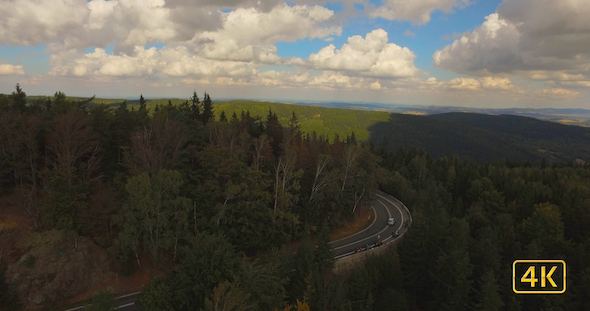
column 55, row 266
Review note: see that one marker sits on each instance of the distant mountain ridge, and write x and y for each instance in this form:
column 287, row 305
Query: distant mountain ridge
column 484, row 137
column 477, row 133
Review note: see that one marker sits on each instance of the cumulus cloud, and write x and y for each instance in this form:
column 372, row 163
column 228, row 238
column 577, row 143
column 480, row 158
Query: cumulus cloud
column 491, row 48
column 464, row 84
column 496, row 83
column 302, row 78
column 541, row 41
column 415, row 11
column 27, row 22
column 558, row 93
column 489, row 83
column 124, row 23
column 11, row 70
column 249, row 34
column 369, row 56
column 177, row 62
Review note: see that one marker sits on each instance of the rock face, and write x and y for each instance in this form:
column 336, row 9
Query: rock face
column 55, row 266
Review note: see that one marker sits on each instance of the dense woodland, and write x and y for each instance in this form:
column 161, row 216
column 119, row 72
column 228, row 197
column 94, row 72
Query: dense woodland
column 177, row 182
column 484, row 137
column 217, row 198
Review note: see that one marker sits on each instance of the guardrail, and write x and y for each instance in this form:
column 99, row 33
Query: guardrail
column 348, row 261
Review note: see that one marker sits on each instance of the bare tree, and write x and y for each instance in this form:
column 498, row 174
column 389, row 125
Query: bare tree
column 286, row 181
column 73, row 143
column 20, row 147
column 156, row 147
column 351, row 154
column 319, row 182
column 262, row 151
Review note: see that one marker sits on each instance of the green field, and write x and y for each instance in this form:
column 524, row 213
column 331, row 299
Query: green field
column 324, row 121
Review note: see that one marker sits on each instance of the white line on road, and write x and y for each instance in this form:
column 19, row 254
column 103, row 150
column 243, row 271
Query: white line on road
column 128, row 295
column 370, row 237
column 367, row 228
column 126, row 305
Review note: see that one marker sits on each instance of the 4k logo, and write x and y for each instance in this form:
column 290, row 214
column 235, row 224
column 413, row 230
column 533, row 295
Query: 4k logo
column 538, row 276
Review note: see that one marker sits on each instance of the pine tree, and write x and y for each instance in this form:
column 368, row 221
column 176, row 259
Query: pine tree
column 195, row 107
column 19, row 99
column 222, row 117
column 207, row 109
column 142, row 103
column 142, row 113
column 274, row 130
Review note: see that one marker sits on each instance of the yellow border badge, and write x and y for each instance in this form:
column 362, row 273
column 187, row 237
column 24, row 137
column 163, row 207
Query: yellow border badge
column 545, row 279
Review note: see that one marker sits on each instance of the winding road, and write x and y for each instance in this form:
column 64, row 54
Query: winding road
column 384, row 205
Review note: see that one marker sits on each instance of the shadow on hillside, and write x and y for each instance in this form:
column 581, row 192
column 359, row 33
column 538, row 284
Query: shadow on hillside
column 482, row 137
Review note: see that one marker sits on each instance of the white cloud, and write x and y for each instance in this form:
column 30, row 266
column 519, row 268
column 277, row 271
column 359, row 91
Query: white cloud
column 11, row 70
column 558, row 93
column 181, row 62
column 489, row 83
column 548, row 40
column 99, row 63
column 27, row 22
column 177, row 62
column 464, row 84
column 369, row 56
column 490, row 48
column 416, row 11
column 496, row 83
column 99, row 23
column 240, row 42
column 249, row 34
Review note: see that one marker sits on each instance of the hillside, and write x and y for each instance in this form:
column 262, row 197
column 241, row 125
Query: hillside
column 324, row 121
column 480, row 136
column 484, row 137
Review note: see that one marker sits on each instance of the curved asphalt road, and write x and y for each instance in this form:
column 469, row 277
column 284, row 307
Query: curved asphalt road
column 385, row 206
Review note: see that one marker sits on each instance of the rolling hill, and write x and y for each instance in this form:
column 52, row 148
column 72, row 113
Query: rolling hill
column 484, row 137
column 480, row 136
column 324, row 121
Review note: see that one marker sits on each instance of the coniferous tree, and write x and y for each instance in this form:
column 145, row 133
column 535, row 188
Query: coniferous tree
column 207, row 109
column 142, row 113
column 142, row 103
column 19, row 99
column 274, row 130
column 195, row 105
column 222, row 117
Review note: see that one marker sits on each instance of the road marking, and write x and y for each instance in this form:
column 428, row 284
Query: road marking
column 367, row 228
column 399, row 209
column 370, row 237
column 395, row 204
column 136, row 293
column 125, row 305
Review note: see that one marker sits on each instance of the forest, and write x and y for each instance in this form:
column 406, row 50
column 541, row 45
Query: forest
column 214, row 200
column 177, row 182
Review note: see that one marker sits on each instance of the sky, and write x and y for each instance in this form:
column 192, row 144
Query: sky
column 471, row 53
